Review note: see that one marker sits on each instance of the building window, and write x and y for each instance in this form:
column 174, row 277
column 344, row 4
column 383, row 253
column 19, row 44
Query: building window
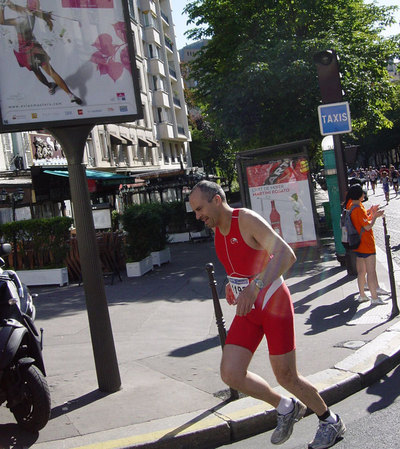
column 103, row 147
column 90, row 155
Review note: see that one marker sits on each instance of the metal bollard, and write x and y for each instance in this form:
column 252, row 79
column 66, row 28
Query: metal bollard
column 395, row 307
column 218, row 315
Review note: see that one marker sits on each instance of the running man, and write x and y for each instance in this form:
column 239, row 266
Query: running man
column 255, row 258
column 30, row 53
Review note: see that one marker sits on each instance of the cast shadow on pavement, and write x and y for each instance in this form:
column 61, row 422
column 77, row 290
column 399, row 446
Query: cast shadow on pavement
column 387, row 388
column 302, row 305
column 331, row 316
column 196, row 348
column 310, row 280
column 12, row 436
column 77, row 403
column 192, row 422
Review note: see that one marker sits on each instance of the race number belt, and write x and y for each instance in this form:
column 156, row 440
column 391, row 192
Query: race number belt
column 238, row 284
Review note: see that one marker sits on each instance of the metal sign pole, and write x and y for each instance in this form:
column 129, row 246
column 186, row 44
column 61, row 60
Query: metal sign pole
column 395, row 307
column 72, row 140
column 218, row 315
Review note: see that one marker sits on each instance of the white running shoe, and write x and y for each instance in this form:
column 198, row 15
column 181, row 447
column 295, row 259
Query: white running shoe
column 286, row 422
column 377, row 302
column 327, row 434
column 363, row 298
column 382, row 291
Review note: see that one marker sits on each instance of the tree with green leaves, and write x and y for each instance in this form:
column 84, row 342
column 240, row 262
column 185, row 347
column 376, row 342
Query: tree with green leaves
column 256, row 80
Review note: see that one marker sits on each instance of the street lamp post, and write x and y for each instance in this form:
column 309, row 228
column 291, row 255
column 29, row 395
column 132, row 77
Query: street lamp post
column 12, row 198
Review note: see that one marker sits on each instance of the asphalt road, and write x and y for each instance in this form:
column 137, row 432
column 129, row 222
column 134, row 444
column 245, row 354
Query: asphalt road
column 371, row 417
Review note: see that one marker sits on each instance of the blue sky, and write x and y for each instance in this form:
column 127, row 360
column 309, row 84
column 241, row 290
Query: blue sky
column 180, row 19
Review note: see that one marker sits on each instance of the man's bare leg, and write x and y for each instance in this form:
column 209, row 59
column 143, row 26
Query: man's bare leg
column 234, row 364
column 285, row 370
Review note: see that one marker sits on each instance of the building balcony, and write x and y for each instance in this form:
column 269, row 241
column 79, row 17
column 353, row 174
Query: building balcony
column 177, row 102
column 161, row 99
column 172, row 72
column 181, row 130
column 165, row 17
column 156, row 67
column 165, row 131
column 168, row 44
column 148, row 6
column 151, row 35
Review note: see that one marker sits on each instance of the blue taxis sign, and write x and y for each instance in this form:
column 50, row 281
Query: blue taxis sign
column 334, row 118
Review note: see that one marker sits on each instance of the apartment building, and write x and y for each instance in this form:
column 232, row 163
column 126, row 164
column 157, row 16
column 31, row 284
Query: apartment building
column 187, row 54
column 152, row 153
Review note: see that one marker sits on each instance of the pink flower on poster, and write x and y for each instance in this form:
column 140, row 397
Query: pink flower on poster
column 120, row 30
column 111, row 59
column 125, row 59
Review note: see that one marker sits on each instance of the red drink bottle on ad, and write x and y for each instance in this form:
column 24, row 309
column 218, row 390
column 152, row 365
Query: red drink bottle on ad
column 275, row 219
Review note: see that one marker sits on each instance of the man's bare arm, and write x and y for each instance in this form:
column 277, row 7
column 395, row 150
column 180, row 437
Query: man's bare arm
column 256, row 230
column 261, row 232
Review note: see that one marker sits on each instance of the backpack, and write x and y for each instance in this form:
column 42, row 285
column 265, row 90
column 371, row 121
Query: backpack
column 351, row 239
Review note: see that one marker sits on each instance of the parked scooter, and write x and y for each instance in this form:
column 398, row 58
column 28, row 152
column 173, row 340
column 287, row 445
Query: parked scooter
column 23, row 385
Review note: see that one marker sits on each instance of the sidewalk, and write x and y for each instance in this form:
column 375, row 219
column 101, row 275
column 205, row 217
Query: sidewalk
column 168, row 352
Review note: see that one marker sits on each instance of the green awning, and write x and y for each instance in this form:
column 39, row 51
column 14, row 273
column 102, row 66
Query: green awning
column 101, row 176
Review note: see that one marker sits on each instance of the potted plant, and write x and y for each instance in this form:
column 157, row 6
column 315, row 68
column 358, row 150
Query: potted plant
column 160, row 252
column 176, row 222
column 41, row 247
column 141, row 225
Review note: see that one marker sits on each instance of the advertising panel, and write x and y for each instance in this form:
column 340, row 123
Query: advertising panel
column 64, row 62
column 279, row 191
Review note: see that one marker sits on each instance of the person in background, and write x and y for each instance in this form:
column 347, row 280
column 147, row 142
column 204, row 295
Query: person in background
column 367, row 176
column 394, row 177
column 373, row 177
column 363, row 220
column 385, row 185
column 255, row 257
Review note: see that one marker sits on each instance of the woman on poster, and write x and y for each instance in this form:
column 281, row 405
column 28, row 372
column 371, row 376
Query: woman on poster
column 30, row 52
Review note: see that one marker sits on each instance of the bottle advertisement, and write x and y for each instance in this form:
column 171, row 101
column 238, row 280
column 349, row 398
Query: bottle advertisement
column 279, row 191
column 65, row 61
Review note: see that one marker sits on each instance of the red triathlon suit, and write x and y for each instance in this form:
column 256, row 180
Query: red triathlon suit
column 272, row 314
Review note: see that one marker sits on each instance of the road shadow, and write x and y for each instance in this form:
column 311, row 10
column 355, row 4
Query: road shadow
column 330, row 316
column 387, row 389
column 181, row 280
column 322, row 274
column 77, row 403
column 12, row 436
column 196, row 348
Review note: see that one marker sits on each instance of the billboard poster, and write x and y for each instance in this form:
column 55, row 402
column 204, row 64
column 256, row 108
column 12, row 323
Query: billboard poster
column 64, row 62
column 279, row 191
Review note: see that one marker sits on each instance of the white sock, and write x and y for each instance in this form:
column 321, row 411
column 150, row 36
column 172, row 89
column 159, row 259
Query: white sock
column 332, row 418
column 285, row 406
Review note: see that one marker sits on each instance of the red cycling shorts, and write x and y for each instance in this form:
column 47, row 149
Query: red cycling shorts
column 275, row 321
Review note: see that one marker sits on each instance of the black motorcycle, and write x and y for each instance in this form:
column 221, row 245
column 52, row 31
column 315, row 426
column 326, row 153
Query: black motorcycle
column 23, row 385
